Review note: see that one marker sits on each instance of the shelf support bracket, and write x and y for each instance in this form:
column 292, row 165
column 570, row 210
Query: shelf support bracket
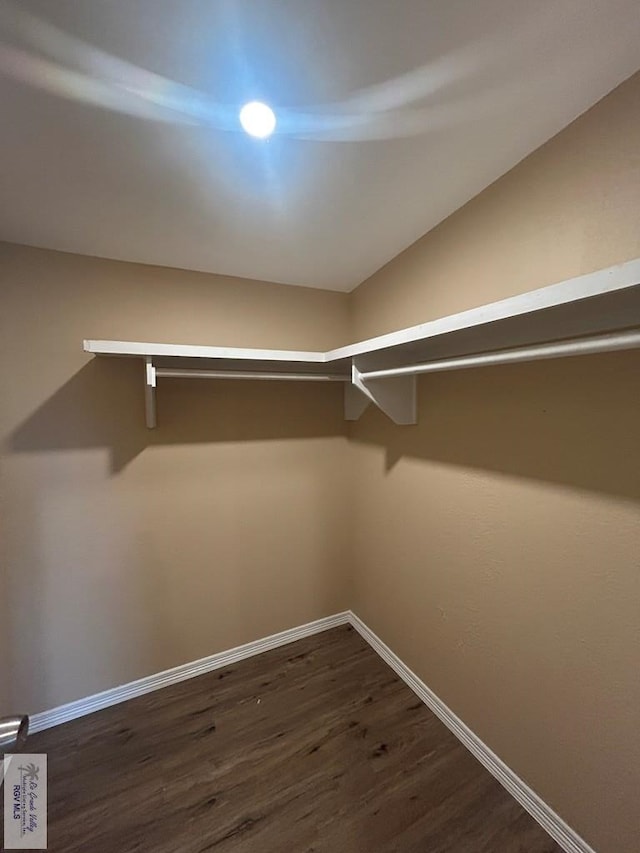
column 355, row 402
column 149, row 393
column 395, row 396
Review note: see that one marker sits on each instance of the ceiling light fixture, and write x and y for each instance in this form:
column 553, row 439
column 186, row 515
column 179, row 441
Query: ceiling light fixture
column 258, row 119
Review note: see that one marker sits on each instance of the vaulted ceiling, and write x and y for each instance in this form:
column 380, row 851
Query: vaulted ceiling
column 120, row 137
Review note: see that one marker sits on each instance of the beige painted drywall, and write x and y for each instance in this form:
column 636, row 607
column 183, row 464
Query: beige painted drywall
column 127, row 551
column 498, row 542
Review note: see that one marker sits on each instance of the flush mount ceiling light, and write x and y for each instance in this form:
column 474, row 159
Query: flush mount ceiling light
column 258, row 119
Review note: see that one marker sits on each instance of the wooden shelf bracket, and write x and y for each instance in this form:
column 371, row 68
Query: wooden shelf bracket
column 395, row 396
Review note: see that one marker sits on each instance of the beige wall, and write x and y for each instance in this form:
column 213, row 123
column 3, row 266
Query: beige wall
column 126, row 551
column 498, row 542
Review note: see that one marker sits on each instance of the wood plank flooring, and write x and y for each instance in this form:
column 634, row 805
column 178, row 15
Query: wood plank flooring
column 316, row 747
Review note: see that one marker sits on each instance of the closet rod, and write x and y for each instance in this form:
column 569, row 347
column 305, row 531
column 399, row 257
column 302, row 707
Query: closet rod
column 180, row 373
column 575, row 346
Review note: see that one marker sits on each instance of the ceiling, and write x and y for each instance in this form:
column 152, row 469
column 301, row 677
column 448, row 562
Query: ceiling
column 120, row 138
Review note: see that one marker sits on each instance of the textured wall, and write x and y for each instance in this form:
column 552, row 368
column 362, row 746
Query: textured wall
column 126, row 551
column 498, row 542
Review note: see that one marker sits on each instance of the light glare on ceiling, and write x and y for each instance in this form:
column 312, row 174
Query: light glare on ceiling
column 258, row 119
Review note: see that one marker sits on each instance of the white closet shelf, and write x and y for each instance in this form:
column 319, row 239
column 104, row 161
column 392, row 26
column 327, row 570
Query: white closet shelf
column 599, row 312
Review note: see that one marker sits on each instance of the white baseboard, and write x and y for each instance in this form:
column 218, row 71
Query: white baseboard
column 81, row 707
column 569, row 840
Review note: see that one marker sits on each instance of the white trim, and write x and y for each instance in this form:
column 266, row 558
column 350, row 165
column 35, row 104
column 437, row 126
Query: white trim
column 561, row 832
column 569, row 840
column 82, row 707
column 155, row 350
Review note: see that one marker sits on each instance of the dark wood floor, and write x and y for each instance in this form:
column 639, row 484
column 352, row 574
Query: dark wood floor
column 316, row 747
